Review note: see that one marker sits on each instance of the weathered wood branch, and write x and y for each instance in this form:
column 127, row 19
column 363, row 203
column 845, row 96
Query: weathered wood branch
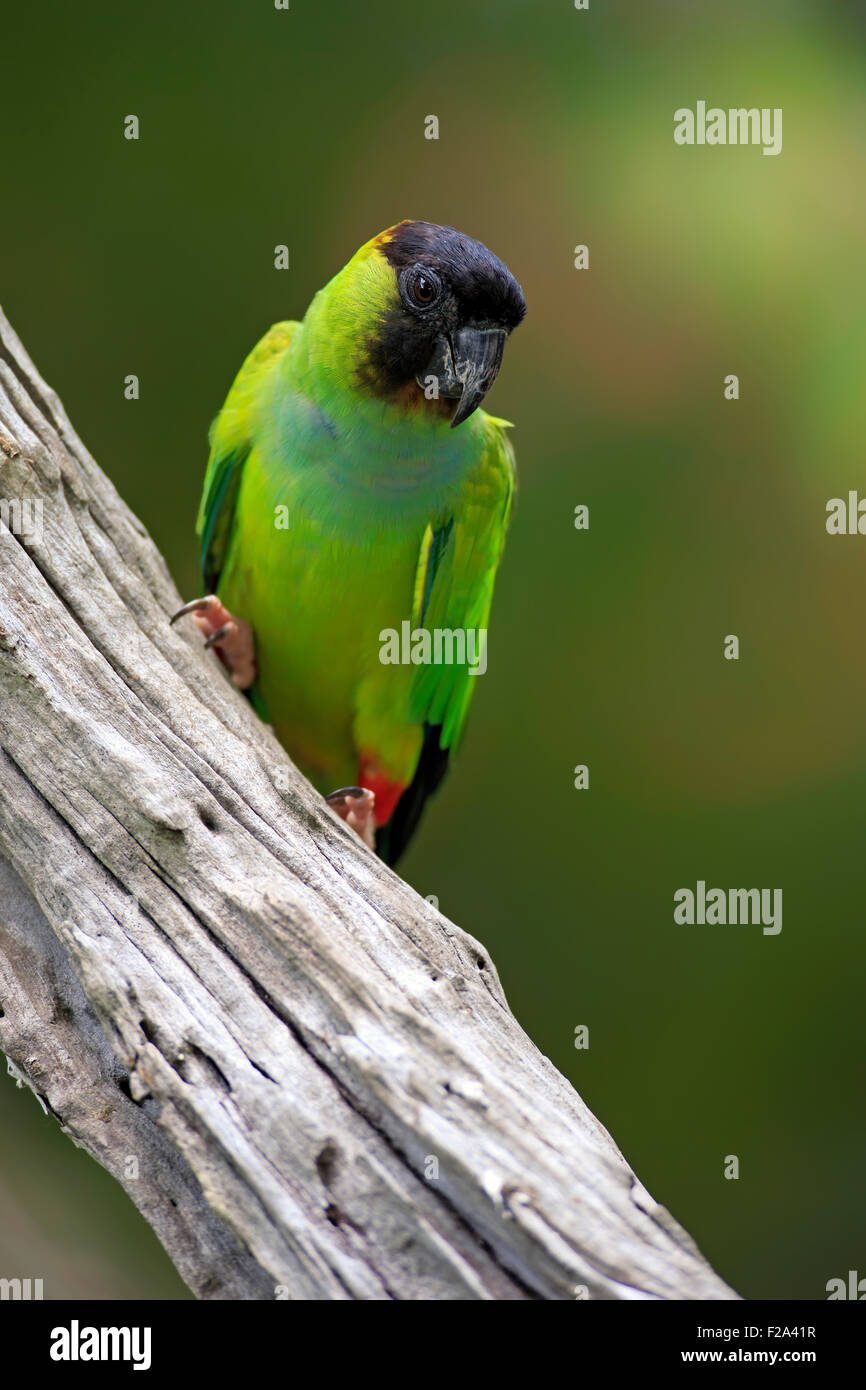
column 304, row 1076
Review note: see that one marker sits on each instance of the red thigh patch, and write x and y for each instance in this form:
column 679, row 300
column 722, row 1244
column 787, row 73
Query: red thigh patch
column 386, row 791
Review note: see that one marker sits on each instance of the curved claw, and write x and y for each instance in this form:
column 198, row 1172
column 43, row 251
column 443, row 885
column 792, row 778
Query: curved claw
column 197, row 605
column 221, row 634
column 230, row 637
column 356, row 806
column 356, row 793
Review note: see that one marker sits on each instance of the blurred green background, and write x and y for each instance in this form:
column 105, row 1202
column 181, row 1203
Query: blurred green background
column 707, row 517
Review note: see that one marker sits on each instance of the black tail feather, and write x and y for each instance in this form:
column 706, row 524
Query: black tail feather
column 393, row 838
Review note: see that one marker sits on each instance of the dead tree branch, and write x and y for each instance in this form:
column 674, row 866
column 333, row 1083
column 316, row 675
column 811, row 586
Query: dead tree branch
column 305, row 1077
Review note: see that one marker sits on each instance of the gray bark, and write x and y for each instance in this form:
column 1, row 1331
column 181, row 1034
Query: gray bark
column 306, row 1078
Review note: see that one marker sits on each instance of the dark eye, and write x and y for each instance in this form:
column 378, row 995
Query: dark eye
column 421, row 287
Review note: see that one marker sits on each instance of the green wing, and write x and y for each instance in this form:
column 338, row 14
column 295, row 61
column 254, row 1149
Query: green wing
column 231, row 439
column 457, row 566
column 463, row 554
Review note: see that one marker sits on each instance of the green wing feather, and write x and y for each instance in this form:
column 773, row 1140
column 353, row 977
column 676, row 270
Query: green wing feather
column 231, row 439
column 457, row 565
column 461, row 558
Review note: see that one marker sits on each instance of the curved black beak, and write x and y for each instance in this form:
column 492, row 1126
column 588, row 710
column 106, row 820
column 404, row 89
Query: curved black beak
column 466, row 364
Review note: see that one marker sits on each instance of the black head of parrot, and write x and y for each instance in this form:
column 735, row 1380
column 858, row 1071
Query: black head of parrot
column 457, row 305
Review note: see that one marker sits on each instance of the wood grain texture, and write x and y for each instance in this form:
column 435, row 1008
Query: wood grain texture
column 202, row 969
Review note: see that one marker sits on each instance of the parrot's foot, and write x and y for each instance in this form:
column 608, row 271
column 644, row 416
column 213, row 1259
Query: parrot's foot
column 356, row 805
column 230, row 637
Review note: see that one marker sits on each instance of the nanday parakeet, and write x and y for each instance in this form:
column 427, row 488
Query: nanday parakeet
column 354, row 485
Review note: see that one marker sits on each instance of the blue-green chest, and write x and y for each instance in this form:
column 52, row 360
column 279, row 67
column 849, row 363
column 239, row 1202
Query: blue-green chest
column 327, row 534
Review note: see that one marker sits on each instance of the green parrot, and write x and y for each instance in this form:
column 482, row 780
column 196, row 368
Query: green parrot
column 353, row 518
